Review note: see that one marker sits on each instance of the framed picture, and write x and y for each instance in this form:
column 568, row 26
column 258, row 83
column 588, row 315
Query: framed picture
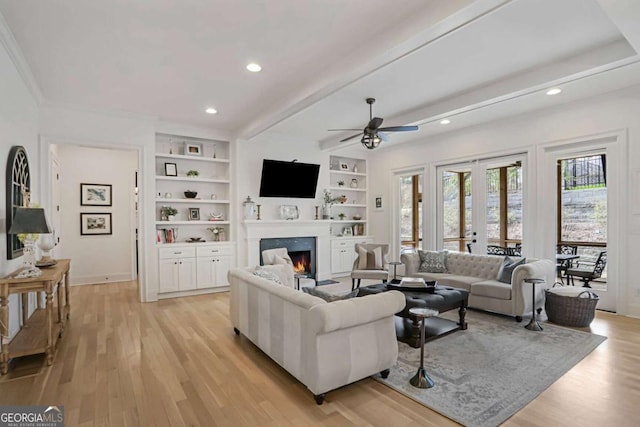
column 95, row 223
column 377, row 202
column 95, row 194
column 344, row 166
column 170, row 169
column 194, row 214
column 192, row 149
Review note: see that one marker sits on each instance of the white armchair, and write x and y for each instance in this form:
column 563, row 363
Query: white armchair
column 371, row 263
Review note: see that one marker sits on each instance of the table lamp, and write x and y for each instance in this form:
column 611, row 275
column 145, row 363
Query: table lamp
column 29, row 221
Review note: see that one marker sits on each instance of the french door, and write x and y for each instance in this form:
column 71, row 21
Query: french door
column 480, row 204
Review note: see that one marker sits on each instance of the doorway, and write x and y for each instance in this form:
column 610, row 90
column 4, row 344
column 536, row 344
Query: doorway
column 480, row 204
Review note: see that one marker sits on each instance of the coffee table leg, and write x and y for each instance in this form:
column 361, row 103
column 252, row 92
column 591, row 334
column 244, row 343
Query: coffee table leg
column 462, row 312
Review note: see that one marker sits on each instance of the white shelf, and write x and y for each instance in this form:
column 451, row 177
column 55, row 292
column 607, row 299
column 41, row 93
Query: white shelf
column 189, row 179
column 348, row 173
column 196, row 158
column 346, row 189
column 191, row 201
column 347, row 221
column 212, row 223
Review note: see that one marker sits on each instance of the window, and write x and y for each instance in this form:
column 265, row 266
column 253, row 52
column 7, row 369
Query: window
column 411, row 211
column 457, row 209
column 504, row 205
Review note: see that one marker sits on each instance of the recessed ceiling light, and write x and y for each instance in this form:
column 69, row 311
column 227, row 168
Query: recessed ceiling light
column 445, row 121
column 254, row 68
column 211, row 110
column 554, row 91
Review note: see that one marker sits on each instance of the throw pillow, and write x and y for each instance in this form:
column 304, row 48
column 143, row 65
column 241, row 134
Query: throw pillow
column 267, row 274
column 278, row 260
column 370, row 260
column 313, row 290
column 506, row 269
column 432, row 261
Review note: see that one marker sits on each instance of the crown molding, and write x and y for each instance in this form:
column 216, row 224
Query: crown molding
column 15, row 54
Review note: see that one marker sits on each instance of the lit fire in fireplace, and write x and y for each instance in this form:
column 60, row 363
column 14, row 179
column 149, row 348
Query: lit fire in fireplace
column 299, row 267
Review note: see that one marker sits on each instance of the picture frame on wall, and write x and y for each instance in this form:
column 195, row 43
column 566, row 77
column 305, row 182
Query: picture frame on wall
column 95, row 194
column 192, row 149
column 94, row 223
column 170, row 169
column 377, row 203
column 194, row 214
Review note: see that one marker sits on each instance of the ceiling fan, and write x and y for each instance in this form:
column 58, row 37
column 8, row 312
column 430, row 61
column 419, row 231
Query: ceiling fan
column 373, row 134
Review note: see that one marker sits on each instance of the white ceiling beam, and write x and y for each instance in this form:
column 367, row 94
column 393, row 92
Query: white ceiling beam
column 453, row 15
column 625, row 14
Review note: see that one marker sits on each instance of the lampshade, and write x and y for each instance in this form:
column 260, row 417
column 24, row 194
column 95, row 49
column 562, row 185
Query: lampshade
column 29, row 220
column 371, row 141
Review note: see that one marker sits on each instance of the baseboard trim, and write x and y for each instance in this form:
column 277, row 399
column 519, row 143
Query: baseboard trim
column 193, row 292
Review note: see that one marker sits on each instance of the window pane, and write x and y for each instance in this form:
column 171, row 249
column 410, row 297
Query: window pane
column 406, row 208
column 451, row 204
column 514, row 203
column 584, row 199
column 493, row 205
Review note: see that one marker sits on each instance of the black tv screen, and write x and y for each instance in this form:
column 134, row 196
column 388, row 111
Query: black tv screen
column 288, row 179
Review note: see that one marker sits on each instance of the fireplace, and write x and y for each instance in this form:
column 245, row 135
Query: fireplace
column 302, row 251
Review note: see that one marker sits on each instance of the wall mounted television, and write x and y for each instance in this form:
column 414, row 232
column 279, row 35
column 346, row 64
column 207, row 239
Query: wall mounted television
column 289, row 179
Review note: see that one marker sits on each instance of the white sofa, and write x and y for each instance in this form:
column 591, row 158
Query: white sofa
column 324, row 345
column 477, row 273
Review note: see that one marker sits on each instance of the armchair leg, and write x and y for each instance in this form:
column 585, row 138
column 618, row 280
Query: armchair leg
column 353, row 284
column 358, row 285
column 384, row 374
column 518, row 319
column 237, row 332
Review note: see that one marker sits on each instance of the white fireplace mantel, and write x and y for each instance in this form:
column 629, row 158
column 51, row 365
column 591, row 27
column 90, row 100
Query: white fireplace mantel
column 265, row 229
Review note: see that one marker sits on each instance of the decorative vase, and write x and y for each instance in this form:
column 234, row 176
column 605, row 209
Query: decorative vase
column 354, row 183
column 326, row 211
column 355, row 168
column 171, row 217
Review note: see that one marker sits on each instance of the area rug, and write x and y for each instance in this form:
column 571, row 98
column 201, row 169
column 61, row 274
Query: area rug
column 489, row 372
column 326, row 282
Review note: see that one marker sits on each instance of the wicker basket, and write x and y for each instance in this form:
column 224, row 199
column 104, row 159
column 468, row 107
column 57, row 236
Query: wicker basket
column 573, row 310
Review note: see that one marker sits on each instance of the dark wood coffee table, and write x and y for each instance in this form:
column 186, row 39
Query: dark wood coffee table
column 442, row 299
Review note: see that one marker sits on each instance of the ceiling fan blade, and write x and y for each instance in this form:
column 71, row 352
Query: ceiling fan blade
column 351, row 137
column 374, row 123
column 383, row 136
column 399, row 128
column 341, row 130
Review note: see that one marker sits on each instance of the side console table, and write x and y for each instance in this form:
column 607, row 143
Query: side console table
column 39, row 333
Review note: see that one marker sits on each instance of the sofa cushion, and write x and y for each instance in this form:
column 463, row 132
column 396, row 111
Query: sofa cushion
column 330, row 297
column 456, row 281
column 432, row 261
column 506, row 269
column 491, row 289
column 370, row 259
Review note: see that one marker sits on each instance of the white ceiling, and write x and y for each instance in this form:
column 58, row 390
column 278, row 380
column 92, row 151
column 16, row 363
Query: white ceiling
column 473, row 61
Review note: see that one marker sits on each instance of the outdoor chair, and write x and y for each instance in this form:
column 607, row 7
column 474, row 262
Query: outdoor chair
column 587, row 272
column 563, row 266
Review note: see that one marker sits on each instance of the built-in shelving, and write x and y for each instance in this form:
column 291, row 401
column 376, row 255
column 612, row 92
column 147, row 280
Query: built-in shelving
column 352, row 173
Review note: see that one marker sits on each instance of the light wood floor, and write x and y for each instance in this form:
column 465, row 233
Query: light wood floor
column 178, row 363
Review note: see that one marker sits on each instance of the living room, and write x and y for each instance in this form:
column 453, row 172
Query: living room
column 519, row 121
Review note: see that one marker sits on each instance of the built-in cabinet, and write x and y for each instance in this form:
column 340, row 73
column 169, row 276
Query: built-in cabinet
column 193, row 177
column 343, row 253
column 348, row 180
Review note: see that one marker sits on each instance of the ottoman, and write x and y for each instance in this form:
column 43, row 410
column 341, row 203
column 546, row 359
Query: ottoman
column 442, row 299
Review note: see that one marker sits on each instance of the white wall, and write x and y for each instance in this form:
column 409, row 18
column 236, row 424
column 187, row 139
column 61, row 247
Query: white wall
column 18, row 126
column 528, row 133
column 248, row 161
column 99, row 258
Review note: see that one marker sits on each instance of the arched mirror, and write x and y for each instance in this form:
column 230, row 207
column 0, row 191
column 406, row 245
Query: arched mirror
column 18, row 181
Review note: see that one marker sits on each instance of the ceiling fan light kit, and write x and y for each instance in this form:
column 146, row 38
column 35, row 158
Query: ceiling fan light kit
column 371, row 138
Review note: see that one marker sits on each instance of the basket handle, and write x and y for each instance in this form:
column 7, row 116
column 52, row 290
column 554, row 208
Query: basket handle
column 590, row 294
column 558, row 283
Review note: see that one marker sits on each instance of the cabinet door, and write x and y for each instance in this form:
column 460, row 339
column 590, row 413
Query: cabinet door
column 206, row 272
column 223, row 264
column 347, row 259
column 168, row 275
column 187, row 273
column 336, row 260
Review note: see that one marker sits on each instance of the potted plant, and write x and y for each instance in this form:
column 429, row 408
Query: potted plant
column 340, row 183
column 170, row 212
column 341, row 216
column 328, row 200
column 193, row 173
